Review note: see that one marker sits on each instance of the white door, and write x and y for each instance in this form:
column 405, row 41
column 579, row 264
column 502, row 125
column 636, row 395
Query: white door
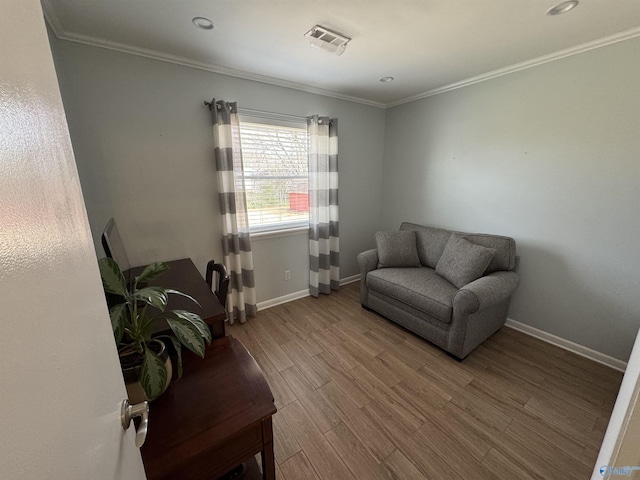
column 620, row 451
column 60, row 381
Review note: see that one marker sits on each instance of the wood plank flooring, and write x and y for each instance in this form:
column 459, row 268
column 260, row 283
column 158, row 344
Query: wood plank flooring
column 360, row 398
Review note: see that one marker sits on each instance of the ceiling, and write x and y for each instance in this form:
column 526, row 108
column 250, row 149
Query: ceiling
column 428, row 46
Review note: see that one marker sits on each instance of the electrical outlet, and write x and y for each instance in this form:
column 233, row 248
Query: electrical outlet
column 287, row 274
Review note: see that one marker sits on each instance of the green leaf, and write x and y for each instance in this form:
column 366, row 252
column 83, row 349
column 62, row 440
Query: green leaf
column 188, row 335
column 177, row 292
column 152, row 272
column 178, row 348
column 196, row 321
column 154, row 296
column 118, row 315
column 112, row 279
column 145, row 325
column 153, row 376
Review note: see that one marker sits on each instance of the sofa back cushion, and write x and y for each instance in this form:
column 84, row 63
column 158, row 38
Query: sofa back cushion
column 431, row 242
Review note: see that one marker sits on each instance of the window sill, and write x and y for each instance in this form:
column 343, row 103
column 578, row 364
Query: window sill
column 279, row 233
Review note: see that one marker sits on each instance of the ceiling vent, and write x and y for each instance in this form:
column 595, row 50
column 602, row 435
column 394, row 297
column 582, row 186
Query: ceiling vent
column 327, row 40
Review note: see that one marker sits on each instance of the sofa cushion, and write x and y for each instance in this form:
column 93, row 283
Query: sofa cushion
column 397, row 249
column 431, row 242
column 505, row 247
column 462, row 262
column 420, row 288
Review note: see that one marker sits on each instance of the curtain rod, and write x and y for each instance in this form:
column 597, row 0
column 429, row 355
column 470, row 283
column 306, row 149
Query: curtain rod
column 250, row 111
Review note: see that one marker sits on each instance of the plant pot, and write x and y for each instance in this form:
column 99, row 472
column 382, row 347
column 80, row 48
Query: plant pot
column 131, row 363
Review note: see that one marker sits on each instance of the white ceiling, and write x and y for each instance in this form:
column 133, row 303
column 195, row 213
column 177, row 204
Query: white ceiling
column 427, row 45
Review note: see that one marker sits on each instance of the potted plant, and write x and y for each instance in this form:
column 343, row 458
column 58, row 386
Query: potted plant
column 133, row 314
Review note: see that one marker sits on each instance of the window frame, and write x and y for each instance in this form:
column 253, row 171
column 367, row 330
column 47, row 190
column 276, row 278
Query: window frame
column 276, row 120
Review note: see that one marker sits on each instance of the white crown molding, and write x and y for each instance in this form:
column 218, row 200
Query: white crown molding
column 60, row 33
column 534, row 62
column 568, row 345
column 209, row 67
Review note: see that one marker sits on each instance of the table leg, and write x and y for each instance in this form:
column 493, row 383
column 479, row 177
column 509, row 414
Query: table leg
column 268, row 462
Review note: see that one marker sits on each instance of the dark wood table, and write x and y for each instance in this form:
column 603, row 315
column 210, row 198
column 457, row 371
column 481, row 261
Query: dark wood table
column 217, row 416
column 185, row 277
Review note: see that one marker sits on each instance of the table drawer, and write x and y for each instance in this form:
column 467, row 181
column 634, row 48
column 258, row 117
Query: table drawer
column 221, row 458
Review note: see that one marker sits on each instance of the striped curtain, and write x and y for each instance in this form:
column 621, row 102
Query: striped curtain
column 236, row 243
column 324, row 248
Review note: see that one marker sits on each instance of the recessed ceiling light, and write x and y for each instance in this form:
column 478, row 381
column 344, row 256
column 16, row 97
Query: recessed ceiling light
column 203, row 23
column 563, row 7
column 386, row 79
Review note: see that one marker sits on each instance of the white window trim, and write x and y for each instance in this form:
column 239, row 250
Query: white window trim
column 257, row 236
column 279, row 226
column 275, row 119
column 269, row 118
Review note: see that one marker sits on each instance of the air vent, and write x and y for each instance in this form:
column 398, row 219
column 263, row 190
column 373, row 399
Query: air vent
column 327, row 40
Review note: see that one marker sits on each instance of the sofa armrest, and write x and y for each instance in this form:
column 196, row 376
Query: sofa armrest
column 367, row 261
column 486, row 291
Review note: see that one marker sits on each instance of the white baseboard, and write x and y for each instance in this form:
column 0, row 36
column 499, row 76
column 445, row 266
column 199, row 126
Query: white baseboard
column 521, row 327
column 290, row 297
column 351, row 279
column 568, row 345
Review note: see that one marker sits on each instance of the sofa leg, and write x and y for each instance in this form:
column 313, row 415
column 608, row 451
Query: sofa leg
column 366, row 308
column 453, row 356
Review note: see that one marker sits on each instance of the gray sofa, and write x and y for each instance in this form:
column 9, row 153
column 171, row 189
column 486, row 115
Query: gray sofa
column 430, row 294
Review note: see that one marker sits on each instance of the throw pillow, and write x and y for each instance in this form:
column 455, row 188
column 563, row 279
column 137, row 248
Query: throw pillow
column 462, row 262
column 397, row 249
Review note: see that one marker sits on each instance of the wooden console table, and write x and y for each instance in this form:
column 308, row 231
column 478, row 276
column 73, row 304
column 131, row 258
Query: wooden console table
column 217, row 416
column 184, row 276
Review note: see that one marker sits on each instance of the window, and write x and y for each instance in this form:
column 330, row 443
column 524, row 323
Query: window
column 274, row 154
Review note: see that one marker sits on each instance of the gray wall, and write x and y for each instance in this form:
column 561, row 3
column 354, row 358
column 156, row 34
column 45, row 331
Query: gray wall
column 144, row 147
column 549, row 156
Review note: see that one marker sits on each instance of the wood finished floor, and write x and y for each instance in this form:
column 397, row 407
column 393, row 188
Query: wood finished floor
column 361, row 398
